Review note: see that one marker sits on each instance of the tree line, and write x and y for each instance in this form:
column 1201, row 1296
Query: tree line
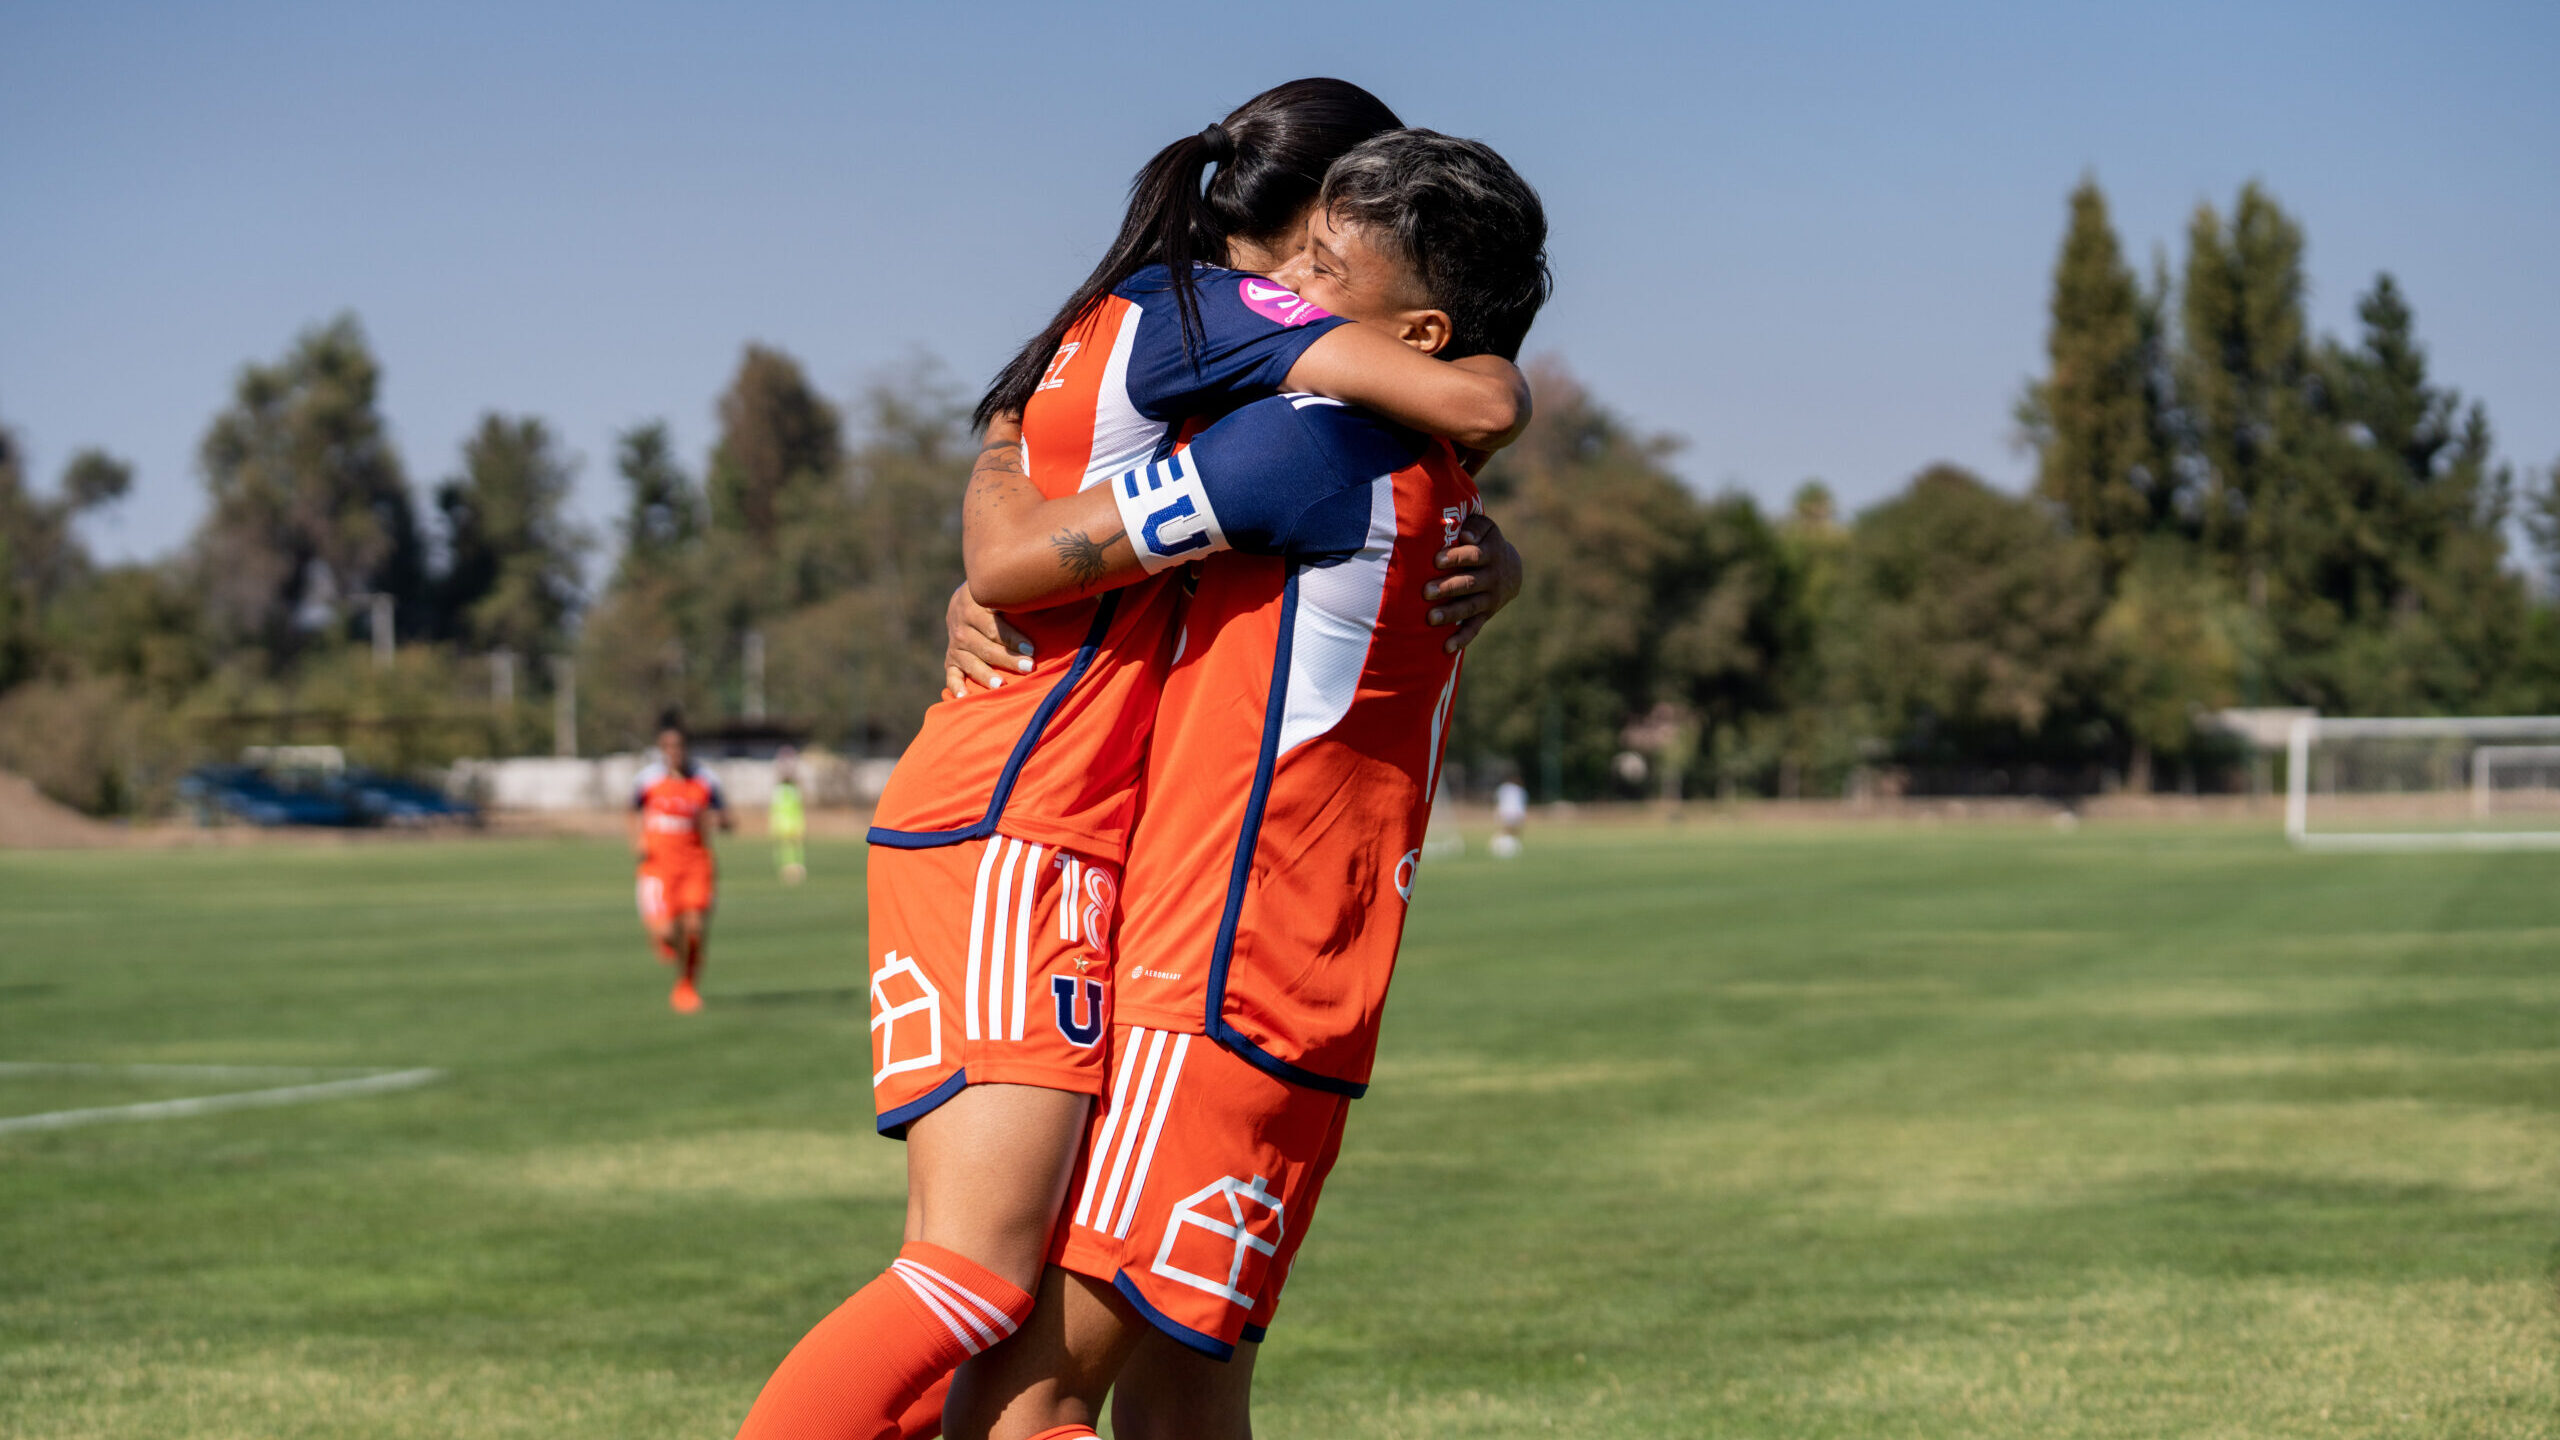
column 2227, row 510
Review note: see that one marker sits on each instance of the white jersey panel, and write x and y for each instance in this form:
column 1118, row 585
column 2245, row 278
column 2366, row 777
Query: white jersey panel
column 1337, row 617
column 1123, row 439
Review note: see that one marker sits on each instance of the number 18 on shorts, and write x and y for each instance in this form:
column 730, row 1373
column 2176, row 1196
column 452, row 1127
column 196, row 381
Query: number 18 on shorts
column 990, row 964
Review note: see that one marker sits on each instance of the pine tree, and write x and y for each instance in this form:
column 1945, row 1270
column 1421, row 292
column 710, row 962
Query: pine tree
column 2243, row 378
column 662, row 513
column 2542, row 525
column 2093, row 418
column 512, row 579
column 779, row 438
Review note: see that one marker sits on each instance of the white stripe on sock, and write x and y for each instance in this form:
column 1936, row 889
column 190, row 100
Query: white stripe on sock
column 958, row 1300
column 941, row 1311
column 970, row 1300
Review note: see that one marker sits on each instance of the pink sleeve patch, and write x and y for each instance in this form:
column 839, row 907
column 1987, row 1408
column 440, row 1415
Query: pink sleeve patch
column 1278, row 303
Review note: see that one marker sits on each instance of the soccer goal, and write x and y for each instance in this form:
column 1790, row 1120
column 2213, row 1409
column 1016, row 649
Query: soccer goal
column 2422, row 784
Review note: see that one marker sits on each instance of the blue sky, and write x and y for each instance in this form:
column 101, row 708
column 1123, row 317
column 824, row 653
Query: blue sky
column 1813, row 240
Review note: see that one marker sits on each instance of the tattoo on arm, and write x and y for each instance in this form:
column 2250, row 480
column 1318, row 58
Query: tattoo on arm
column 1000, row 455
column 996, row 478
column 1082, row 556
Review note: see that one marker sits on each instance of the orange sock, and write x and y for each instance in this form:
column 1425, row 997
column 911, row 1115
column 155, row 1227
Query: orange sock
column 666, row 949
column 923, row 1420
column 863, row 1369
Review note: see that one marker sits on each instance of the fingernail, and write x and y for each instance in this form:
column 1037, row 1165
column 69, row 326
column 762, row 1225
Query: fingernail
column 1435, row 617
column 995, row 682
column 1022, row 665
column 1024, row 647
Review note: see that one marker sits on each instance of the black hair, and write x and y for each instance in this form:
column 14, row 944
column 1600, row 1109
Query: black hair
column 1463, row 219
column 672, row 718
column 1270, row 154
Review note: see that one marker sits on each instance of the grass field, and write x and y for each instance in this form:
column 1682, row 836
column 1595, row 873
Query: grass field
column 1967, row 1132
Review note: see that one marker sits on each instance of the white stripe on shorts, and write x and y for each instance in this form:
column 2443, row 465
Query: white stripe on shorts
column 1154, row 1040
column 977, row 928
column 996, row 939
column 1071, row 901
column 1155, row 1127
column 1022, row 933
column 1102, row 1144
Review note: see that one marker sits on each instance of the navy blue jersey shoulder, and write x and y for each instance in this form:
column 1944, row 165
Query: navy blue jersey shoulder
column 1291, row 475
column 1251, row 332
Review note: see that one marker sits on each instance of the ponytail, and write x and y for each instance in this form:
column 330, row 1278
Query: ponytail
column 1250, row 175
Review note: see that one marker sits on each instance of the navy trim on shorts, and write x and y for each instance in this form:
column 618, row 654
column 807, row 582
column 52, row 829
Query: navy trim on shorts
column 895, row 1123
column 1200, row 1340
column 1253, row 1334
column 1275, row 711
column 1022, row 748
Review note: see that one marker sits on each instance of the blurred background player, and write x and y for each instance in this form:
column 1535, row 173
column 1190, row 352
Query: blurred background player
column 786, row 818
column 1510, row 816
column 673, row 805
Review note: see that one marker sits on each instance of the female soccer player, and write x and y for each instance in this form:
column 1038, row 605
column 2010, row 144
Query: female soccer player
column 673, row 804
column 995, row 851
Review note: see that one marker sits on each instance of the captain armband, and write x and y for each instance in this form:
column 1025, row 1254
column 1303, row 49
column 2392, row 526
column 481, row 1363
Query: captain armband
column 1166, row 511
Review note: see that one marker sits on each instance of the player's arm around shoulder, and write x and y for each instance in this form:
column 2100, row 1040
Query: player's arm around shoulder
column 1479, row 403
column 1024, row 550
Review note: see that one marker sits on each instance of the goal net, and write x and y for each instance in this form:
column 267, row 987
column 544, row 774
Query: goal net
column 2420, row 784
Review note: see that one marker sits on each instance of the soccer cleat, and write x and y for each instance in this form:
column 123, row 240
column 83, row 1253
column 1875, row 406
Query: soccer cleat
column 684, row 999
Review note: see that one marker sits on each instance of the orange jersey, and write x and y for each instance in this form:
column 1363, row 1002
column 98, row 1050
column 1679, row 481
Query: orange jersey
column 672, row 807
column 1055, row 756
column 1298, row 739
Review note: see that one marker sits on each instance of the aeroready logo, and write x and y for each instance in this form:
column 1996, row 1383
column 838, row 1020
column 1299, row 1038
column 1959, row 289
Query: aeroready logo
column 1279, row 304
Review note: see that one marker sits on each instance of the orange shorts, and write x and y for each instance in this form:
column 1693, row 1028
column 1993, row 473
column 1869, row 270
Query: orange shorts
column 667, row 891
column 1199, row 1180
column 990, row 963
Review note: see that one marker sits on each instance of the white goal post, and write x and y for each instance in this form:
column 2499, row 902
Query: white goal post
column 2490, row 783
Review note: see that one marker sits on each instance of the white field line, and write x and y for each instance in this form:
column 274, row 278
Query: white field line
column 375, row 1082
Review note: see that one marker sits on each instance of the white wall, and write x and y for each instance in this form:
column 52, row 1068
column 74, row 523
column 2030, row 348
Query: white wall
column 546, row 783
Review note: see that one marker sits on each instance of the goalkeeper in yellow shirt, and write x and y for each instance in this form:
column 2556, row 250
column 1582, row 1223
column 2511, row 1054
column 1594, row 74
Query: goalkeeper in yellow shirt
column 787, row 820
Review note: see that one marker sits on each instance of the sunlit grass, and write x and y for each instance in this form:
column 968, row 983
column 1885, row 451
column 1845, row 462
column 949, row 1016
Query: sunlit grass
column 1791, row 1132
